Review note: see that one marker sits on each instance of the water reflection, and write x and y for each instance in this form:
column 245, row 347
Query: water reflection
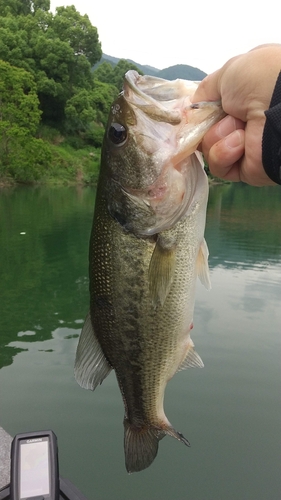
column 243, row 226
column 44, row 272
column 56, row 344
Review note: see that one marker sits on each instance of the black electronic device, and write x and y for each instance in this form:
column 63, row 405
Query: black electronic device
column 34, row 467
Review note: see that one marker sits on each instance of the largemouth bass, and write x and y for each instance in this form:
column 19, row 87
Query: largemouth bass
column 147, row 248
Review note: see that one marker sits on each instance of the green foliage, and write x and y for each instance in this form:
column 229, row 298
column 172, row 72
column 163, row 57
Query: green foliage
column 94, row 135
column 86, row 112
column 46, row 81
column 21, row 155
column 104, row 73
column 79, row 111
column 119, row 71
column 76, row 30
column 19, row 101
column 59, row 50
column 71, row 164
column 103, row 95
column 22, row 7
column 114, row 75
column 29, row 160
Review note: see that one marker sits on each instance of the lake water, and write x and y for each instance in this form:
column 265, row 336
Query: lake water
column 230, row 411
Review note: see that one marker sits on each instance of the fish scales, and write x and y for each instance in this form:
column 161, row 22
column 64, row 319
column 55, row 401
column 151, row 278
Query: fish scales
column 143, row 272
column 143, row 358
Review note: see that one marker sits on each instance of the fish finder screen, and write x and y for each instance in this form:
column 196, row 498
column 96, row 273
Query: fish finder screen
column 34, row 467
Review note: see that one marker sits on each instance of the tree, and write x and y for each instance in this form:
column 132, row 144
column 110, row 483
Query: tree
column 69, row 26
column 58, row 50
column 114, row 75
column 19, row 105
column 104, row 72
column 103, row 95
column 22, row 7
column 19, row 119
column 119, row 71
column 87, row 110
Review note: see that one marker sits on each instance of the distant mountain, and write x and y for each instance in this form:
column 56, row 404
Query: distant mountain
column 147, row 70
column 182, row 71
column 179, row 71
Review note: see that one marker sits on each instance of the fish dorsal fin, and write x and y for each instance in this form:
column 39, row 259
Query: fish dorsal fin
column 191, row 360
column 161, row 271
column 91, row 366
column 202, row 265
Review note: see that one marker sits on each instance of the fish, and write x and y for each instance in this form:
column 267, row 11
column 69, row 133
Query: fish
column 147, row 249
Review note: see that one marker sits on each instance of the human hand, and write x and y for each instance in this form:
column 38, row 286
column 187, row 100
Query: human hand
column 233, row 147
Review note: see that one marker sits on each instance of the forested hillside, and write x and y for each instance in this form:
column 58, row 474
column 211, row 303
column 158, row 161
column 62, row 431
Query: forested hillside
column 178, row 71
column 53, row 105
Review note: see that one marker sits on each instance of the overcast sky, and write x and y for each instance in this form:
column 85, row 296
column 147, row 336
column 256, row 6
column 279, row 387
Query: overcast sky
column 165, row 33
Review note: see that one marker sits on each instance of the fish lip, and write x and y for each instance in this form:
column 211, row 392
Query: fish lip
column 161, row 112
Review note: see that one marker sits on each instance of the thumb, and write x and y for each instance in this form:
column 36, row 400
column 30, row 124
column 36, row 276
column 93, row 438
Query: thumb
column 207, row 90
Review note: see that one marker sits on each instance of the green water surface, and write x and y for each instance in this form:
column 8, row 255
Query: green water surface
column 230, row 411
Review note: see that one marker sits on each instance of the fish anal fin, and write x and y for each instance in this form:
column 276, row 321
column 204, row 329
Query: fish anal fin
column 161, row 272
column 91, row 366
column 177, row 435
column 202, row 265
column 191, row 359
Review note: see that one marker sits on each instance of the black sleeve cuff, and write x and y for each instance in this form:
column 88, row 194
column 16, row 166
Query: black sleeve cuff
column 271, row 141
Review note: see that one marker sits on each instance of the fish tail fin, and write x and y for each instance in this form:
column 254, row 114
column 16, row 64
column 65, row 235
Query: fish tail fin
column 141, row 444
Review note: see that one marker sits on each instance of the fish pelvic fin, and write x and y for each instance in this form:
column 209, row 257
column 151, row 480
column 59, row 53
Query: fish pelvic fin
column 141, row 444
column 91, row 366
column 203, row 266
column 191, row 360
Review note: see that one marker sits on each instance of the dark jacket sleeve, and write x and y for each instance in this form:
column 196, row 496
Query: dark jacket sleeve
column 271, row 141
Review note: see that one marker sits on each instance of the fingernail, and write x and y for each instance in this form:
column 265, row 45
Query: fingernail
column 226, row 126
column 233, row 140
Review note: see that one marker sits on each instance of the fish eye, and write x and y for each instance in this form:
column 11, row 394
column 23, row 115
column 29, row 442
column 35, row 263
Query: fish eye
column 117, row 133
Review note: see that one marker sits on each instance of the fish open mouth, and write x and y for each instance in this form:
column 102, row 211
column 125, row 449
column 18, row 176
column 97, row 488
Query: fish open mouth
column 165, row 131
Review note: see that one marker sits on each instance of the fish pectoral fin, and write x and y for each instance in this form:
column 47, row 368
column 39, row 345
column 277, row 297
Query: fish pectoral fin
column 161, row 272
column 202, row 265
column 191, row 360
column 91, row 366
